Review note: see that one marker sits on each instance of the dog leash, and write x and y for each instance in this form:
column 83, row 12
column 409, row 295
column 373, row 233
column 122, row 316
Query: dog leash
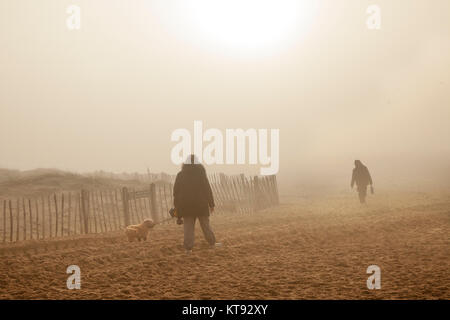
column 168, row 219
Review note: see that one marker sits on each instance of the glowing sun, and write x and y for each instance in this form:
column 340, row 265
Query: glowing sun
column 246, row 24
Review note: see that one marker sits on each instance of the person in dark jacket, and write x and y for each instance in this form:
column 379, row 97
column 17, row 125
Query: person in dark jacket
column 193, row 199
column 362, row 178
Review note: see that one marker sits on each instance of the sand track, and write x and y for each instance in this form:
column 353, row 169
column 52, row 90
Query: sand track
column 306, row 249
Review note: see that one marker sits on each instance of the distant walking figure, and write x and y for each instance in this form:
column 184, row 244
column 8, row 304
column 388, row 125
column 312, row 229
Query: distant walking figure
column 193, row 199
column 362, row 178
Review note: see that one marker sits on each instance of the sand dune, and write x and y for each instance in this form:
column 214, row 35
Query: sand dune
column 316, row 248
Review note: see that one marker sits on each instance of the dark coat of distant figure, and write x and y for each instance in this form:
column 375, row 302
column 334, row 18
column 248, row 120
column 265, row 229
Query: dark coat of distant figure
column 361, row 176
column 192, row 192
column 193, row 199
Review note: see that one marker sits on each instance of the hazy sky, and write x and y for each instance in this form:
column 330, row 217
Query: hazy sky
column 108, row 96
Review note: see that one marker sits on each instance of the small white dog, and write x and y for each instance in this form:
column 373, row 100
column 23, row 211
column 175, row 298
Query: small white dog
column 139, row 231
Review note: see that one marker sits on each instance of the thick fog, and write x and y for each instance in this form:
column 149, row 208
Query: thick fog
column 109, row 95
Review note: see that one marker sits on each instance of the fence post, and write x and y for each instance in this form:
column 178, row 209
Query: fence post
column 43, row 216
column 113, row 208
column 62, row 214
column 57, row 215
column 80, row 214
column 94, row 209
column 266, row 192
column 84, row 210
column 10, row 222
column 116, row 206
column 37, row 218
column 50, row 220
column 4, row 220
column 103, row 212
column 165, row 197
column 275, row 189
column 18, row 219
column 31, row 219
column 70, row 211
column 126, row 208
column 246, row 193
column 256, row 194
column 24, row 220
column 162, row 214
column 153, row 208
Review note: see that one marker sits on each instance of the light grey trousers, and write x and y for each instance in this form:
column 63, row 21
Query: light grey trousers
column 189, row 231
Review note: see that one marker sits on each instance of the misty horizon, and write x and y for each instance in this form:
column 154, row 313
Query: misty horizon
column 108, row 96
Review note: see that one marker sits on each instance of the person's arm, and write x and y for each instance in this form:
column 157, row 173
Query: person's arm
column 209, row 193
column 176, row 191
column 370, row 181
column 353, row 179
column 369, row 176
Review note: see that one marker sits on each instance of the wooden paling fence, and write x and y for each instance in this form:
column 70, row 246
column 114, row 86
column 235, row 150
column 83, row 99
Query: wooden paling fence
column 73, row 213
